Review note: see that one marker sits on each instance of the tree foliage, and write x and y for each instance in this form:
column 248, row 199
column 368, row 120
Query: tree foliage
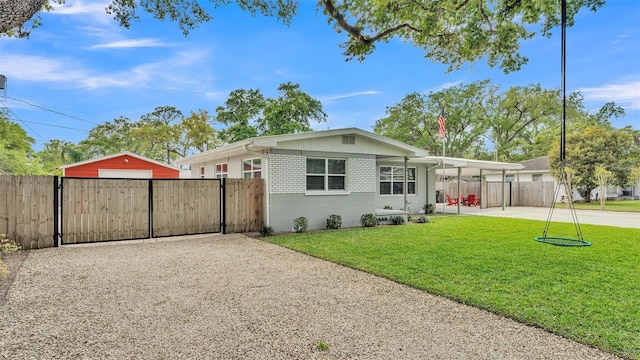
column 595, row 147
column 451, row 32
column 247, row 113
column 56, row 153
column 481, row 122
column 16, row 153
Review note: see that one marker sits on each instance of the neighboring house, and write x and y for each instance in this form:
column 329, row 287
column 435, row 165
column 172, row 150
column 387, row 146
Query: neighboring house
column 121, row 165
column 537, row 169
column 348, row 172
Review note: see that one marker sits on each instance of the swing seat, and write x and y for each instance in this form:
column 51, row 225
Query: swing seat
column 562, row 241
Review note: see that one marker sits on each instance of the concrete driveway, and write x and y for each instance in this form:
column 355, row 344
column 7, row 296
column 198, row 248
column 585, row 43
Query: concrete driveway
column 234, row 297
column 594, row 217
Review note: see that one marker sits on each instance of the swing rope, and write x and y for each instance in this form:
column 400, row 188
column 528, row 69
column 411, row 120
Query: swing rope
column 545, row 238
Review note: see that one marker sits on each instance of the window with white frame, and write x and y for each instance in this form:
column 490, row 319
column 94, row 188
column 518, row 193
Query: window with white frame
column 325, row 174
column 252, row 168
column 222, row 170
column 202, row 172
column 392, row 180
column 536, row 177
column 510, row 178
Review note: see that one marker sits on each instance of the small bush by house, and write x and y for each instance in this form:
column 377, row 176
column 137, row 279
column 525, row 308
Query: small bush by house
column 300, row 224
column 368, row 220
column 334, row 221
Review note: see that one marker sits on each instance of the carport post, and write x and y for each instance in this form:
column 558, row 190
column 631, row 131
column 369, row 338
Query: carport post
column 481, row 192
column 504, row 172
column 459, row 173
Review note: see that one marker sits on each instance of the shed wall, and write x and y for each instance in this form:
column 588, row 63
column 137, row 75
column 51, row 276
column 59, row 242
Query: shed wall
column 90, row 170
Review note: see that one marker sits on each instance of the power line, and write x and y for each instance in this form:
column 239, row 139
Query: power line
column 53, row 111
column 25, row 124
column 56, row 126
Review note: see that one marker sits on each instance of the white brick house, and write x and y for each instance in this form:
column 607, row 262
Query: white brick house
column 348, row 172
column 319, row 173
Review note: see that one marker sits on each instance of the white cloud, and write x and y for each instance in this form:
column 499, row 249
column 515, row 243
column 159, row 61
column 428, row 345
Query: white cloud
column 130, row 43
column 182, row 68
column 442, row 87
column 347, row 95
column 626, row 94
column 41, row 69
column 90, row 10
column 215, row 95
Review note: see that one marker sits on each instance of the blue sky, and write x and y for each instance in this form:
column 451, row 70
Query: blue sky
column 87, row 70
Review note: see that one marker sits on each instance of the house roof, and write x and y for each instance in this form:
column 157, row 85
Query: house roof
column 124, row 153
column 269, row 142
column 537, row 164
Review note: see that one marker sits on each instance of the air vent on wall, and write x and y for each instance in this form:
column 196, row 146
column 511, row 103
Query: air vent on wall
column 349, row 139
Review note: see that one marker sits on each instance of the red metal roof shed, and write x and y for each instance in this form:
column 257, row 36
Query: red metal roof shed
column 121, row 165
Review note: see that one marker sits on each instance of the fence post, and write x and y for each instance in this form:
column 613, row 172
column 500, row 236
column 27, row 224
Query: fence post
column 223, row 205
column 56, row 201
column 150, row 194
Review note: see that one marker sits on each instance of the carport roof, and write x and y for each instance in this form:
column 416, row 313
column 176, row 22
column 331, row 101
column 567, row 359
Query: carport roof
column 470, row 167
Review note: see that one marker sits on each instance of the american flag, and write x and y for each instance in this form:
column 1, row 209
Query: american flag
column 441, row 123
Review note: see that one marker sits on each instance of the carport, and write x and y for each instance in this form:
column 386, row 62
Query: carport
column 459, row 168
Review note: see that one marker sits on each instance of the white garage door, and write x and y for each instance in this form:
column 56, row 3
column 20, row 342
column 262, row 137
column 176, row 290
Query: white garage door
column 129, row 174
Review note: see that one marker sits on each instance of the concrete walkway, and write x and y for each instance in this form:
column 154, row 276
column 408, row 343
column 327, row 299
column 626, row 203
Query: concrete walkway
column 594, row 217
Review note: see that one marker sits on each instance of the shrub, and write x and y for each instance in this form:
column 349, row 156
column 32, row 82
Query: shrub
column 388, row 207
column 396, row 220
column 428, row 208
column 423, row 219
column 334, row 221
column 368, row 220
column 266, row 230
column 7, row 245
column 300, row 224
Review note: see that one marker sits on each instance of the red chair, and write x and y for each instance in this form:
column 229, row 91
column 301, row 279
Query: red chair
column 451, row 201
column 472, row 200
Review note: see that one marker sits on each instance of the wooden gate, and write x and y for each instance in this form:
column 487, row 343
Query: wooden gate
column 182, row 207
column 104, row 209
column 125, row 209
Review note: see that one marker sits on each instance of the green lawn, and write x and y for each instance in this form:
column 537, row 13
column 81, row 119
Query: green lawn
column 617, row 205
column 589, row 294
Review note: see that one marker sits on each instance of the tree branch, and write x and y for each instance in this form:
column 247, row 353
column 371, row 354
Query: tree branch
column 15, row 13
column 355, row 32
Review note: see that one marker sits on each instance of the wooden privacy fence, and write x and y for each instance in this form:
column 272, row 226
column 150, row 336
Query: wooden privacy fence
column 27, row 210
column 532, row 193
column 244, row 210
column 117, row 209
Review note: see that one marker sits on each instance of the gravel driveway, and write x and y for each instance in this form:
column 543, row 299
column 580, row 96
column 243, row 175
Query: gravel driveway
column 234, row 297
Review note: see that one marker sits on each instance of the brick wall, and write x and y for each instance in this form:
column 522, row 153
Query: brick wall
column 287, row 174
column 361, row 175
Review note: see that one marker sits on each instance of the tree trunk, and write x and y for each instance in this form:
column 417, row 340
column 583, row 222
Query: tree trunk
column 14, row 13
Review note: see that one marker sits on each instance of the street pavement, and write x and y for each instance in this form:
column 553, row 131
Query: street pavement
column 594, row 217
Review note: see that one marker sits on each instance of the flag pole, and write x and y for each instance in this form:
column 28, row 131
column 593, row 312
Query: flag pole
column 444, row 193
column 442, row 133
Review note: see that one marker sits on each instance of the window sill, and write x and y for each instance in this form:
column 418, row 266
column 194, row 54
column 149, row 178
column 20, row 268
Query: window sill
column 393, row 195
column 326, row 193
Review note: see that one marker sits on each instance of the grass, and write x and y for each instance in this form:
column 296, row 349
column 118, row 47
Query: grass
column 588, row 294
column 613, row 205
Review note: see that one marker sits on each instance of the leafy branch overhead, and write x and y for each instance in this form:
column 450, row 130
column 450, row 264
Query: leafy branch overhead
column 451, row 32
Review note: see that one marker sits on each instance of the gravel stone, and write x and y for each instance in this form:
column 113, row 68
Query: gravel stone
column 235, row 297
